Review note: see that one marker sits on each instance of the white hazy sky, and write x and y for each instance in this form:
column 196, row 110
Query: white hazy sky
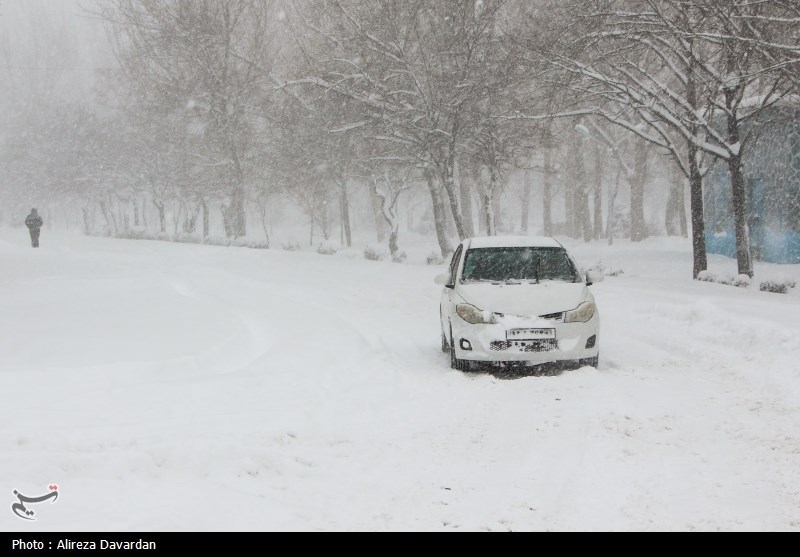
column 50, row 48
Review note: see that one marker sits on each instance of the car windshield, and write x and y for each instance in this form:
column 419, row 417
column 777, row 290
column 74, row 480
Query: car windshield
column 518, row 264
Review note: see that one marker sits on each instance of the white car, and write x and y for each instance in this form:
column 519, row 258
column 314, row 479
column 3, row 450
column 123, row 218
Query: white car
column 517, row 299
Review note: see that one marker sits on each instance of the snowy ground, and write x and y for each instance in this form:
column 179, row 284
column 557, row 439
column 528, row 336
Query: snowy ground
column 180, row 387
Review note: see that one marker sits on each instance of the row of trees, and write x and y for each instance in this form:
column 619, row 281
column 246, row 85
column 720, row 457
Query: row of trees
column 690, row 78
column 232, row 103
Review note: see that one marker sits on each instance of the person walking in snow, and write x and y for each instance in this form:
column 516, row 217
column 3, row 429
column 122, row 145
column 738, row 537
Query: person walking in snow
column 34, row 223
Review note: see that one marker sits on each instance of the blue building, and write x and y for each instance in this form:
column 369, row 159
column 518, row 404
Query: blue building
column 772, row 172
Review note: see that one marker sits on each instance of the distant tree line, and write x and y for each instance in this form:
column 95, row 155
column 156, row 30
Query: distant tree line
column 232, row 105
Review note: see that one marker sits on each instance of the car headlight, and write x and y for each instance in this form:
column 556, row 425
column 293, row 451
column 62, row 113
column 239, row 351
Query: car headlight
column 471, row 314
column 580, row 314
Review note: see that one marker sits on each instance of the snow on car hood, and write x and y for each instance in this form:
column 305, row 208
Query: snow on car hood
column 527, row 300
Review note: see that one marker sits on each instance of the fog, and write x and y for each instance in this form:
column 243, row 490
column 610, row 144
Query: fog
column 234, row 238
column 50, row 51
column 248, row 121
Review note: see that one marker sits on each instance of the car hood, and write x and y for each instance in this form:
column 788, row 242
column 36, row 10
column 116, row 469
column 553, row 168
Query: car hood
column 525, row 300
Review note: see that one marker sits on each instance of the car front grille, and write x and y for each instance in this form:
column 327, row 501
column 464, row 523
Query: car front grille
column 559, row 316
column 524, row 345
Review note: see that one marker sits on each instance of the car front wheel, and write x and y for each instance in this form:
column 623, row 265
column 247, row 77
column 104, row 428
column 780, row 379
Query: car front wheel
column 592, row 362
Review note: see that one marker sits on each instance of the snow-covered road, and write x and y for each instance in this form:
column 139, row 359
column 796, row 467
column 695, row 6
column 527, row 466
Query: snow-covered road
column 179, row 387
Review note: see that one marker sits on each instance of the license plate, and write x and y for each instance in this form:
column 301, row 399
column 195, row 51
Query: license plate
column 530, row 334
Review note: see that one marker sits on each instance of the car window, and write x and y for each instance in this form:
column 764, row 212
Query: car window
column 522, row 264
column 454, row 264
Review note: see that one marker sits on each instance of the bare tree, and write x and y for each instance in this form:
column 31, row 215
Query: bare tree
column 674, row 66
column 388, row 189
column 207, row 59
column 416, row 70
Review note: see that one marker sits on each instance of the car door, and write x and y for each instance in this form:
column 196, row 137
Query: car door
column 448, row 302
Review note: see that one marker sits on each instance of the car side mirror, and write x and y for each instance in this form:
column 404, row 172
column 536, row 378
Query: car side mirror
column 593, row 276
column 442, row 279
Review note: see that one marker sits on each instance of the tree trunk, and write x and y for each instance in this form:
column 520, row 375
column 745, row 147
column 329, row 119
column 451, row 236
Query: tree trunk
column 699, row 258
column 135, row 211
column 234, row 213
column 671, row 211
column 569, row 213
column 582, row 222
column 126, row 220
column 438, row 213
column 739, row 197
column 638, row 227
column 682, row 209
column 205, row 218
column 547, row 193
column 312, row 218
column 191, row 220
column 380, row 222
column 448, row 176
column 526, row 201
column 344, row 200
column 449, row 187
column 612, row 198
column 266, row 232
column 144, row 212
column 226, row 221
column 324, row 221
column 744, row 258
column 263, row 204
column 162, row 218
column 121, row 217
column 482, row 215
column 87, row 224
column 675, row 214
column 490, row 203
column 599, row 171
column 393, row 247
column 111, row 222
column 466, row 205
column 177, row 218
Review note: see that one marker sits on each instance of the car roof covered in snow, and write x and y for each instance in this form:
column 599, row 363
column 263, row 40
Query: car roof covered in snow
column 513, row 242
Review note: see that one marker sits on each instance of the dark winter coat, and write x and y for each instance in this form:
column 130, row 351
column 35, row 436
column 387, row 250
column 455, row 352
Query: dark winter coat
column 34, row 221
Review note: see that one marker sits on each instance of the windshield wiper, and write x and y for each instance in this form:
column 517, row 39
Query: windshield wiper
column 482, row 280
